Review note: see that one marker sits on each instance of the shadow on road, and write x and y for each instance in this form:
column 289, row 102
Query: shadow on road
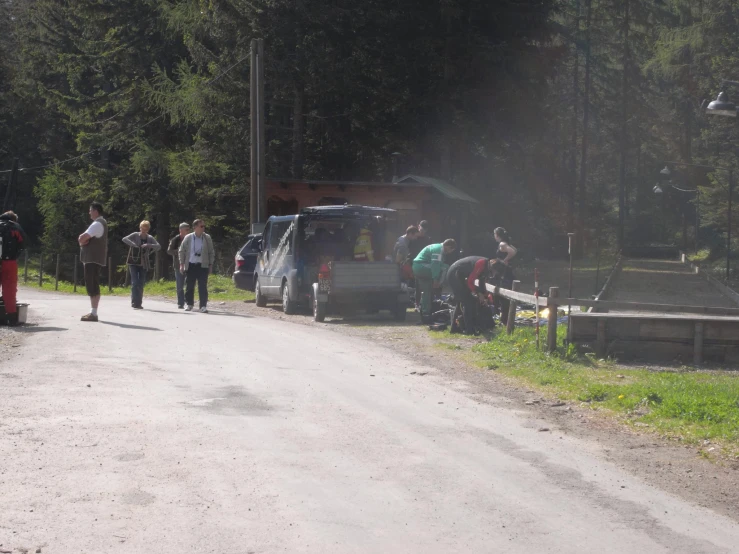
column 171, row 312
column 195, row 311
column 36, row 329
column 231, row 314
column 125, row 326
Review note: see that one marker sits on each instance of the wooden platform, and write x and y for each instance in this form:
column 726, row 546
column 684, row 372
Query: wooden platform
column 658, row 336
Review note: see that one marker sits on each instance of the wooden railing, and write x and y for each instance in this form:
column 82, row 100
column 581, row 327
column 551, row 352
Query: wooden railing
column 515, row 297
column 553, row 303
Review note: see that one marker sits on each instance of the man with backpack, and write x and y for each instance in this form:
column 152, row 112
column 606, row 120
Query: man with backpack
column 12, row 243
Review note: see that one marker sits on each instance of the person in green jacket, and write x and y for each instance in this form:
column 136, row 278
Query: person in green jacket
column 428, row 269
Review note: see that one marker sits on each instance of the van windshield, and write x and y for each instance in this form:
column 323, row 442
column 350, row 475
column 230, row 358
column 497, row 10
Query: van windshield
column 325, row 237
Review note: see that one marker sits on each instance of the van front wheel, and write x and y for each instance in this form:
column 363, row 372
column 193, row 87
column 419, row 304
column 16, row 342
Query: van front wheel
column 288, row 306
column 259, row 298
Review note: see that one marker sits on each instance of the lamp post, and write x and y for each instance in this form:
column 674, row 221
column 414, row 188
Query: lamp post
column 730, row 189
column 658, row 190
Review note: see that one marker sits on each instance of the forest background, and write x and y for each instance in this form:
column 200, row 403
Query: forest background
column 558, row 115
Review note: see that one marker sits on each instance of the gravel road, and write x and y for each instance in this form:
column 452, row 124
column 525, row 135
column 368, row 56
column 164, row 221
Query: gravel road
column 169, row 432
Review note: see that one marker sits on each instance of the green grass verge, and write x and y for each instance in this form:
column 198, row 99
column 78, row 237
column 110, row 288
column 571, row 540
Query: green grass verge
column 220, row 288
column 702, row 256
column 684, row 403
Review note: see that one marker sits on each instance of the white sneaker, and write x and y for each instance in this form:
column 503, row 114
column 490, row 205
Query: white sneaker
column 203, row 310
column 189, row 308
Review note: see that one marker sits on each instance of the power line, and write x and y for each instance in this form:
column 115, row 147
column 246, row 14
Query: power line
column 136, row 130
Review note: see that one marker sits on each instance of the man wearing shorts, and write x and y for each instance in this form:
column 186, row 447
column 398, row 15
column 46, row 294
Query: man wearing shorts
column 94, row 256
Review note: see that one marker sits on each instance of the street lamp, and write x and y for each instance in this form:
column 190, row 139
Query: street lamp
column 722, row 106
column 730, row 189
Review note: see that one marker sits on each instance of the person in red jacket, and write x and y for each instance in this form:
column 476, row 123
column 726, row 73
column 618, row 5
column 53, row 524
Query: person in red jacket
column 12, row 243
column 467, row 278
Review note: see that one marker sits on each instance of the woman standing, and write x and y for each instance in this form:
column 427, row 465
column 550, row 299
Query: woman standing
column 141, row 244
column 505, row 254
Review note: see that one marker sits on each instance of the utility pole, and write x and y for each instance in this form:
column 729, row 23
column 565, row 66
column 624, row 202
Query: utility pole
column 258, row 196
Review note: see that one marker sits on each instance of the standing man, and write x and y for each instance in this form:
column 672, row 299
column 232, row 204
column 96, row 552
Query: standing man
column 94, row 255
column 173, row 250
column 197, row 257
column 421, row 241
column 402, row 252
column 12, row 243
column 428, row 268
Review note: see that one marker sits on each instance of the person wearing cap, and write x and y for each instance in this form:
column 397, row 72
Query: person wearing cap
column 173, row 249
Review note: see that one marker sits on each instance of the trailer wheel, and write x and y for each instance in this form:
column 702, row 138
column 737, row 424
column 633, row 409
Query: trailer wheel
column 319, row 308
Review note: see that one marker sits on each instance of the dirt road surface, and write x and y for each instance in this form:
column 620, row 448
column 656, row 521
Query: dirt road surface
column 169, row 432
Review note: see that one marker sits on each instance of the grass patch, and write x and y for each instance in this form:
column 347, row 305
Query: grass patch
column 220, row 288
column 701, row 256
column 687, row 404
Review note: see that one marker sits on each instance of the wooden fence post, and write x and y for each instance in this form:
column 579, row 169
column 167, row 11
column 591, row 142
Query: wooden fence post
column 510, row 325
column 41, row 271
column 698, row 343
column 110, row 274
column 56, row 275
column 552, row 322
column 600, row 337
column 25, row 267
column 75, row 273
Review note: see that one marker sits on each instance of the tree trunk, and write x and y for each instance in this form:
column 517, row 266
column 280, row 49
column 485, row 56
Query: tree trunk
column 575, row 113
column 624, row 125
column 298, row 131
column 447, row 107
column 583, row 179
column 163, row 230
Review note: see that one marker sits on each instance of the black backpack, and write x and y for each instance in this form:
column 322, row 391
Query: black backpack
column 12, row 240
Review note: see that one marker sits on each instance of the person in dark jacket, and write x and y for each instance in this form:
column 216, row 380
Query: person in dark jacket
column 173, row 250
column 421, row 241
column 12, row 243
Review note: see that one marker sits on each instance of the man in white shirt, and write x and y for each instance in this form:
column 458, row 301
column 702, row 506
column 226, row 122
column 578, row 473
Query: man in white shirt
column 94, row 255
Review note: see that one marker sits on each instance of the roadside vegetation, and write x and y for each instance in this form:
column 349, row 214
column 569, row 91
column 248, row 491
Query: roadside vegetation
column 685, row 404
column 220, row 288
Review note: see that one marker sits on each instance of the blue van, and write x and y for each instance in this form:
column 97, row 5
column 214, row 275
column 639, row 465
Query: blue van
column 295, row 249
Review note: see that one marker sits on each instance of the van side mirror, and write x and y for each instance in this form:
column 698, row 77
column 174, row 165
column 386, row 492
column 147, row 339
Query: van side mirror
column 259, row 244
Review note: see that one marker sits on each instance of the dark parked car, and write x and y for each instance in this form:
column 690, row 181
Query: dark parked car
column 245, row 262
